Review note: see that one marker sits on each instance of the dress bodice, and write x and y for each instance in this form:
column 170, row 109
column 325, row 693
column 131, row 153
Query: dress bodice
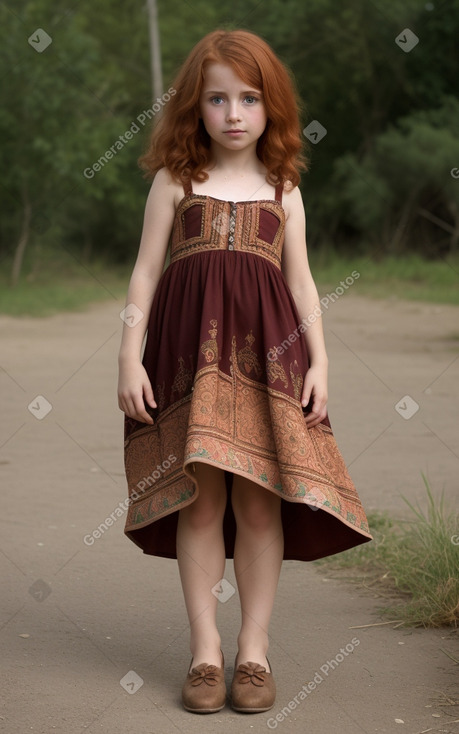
column 203, row 223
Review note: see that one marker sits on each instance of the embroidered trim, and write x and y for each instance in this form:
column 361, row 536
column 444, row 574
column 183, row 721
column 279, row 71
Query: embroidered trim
column 217, row 216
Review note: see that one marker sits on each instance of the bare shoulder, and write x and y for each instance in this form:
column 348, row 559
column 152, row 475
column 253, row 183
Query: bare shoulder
column 166, row 188
column 160, row 205
column 292, row 201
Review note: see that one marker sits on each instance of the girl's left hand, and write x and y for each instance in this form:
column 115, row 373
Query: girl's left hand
column 315, row 385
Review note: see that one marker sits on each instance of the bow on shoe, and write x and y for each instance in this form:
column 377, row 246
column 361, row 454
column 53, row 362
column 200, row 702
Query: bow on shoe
column 252, row 673
column 205, row 674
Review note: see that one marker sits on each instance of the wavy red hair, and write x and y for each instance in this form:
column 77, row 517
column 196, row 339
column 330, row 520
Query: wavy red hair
column 180, row 141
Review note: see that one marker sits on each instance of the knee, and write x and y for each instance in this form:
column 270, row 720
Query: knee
column 204, row 512
column 209, row 506
column 258, row 510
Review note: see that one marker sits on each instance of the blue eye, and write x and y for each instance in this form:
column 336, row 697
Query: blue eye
column 212, row 99
column 250, row 96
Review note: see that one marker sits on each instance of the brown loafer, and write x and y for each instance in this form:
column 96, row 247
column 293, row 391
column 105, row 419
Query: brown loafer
column 253, row 689
column 204, row 690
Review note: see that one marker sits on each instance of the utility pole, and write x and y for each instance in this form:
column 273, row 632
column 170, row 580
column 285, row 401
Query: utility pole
column 155, row 50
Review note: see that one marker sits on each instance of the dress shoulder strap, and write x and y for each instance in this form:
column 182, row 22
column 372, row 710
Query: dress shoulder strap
column 187, row 187
column 279, row 190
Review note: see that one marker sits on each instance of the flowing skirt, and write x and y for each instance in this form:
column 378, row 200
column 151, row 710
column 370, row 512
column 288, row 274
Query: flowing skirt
column 226, row 358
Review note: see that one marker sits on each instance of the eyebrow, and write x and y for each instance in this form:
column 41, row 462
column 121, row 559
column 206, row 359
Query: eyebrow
column 245, row 91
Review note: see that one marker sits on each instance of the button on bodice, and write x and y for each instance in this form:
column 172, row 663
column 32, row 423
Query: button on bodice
column 231, row 225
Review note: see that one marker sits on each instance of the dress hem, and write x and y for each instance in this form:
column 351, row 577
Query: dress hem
column 130, row 529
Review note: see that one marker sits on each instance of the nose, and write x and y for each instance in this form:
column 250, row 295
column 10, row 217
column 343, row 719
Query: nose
column 233, row 111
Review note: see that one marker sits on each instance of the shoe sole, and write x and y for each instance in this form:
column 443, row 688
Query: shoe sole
column 251, row 711
column 204, row 711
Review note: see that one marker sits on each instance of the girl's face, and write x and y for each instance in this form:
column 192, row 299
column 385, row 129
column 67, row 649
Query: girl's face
column 233, row 113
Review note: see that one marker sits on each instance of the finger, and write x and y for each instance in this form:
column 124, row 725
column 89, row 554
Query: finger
column 312, row 419
column 318, row 404
column 146, row 417
column 139, row 412
column 306, row 396
column 149, row 397
column 124, row 406
column 315, row 417
column 130, row 409
column 318, row 409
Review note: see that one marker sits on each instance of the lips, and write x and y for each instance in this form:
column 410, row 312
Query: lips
column 234, row 131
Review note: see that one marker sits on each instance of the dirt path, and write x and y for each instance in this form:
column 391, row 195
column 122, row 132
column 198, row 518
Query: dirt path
column 93, row 613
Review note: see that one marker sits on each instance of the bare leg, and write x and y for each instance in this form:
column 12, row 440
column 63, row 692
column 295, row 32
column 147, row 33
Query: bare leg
column 201, row 560
column 258, row 555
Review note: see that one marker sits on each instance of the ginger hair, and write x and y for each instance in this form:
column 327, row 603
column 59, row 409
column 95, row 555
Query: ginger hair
column 179, row 140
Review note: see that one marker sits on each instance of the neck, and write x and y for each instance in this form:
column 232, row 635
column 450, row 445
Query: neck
column 232, row 163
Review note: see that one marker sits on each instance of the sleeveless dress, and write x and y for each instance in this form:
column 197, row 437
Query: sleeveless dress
column 227, row 368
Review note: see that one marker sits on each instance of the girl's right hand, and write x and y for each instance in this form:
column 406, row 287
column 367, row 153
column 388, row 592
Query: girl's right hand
column 133, row 387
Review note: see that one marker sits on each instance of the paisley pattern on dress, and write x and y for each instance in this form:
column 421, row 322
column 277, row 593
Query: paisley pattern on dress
column 251, row 429
column 247, row 358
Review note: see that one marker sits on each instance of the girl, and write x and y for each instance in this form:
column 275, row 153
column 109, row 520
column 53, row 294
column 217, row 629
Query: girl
column 229, row 452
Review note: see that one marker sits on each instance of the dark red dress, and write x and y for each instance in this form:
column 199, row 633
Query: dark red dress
column 226, row 367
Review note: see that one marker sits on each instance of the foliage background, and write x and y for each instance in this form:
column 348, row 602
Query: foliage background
column 380, row 181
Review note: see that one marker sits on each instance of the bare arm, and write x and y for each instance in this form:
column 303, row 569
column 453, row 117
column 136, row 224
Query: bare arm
column 133, row 383
column 295, row 267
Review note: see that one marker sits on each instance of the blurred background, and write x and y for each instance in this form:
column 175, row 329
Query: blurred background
column 382, row 193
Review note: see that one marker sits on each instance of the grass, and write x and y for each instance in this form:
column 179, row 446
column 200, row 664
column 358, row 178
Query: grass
column 63, row 285
column 413, row 563
column 408, row 277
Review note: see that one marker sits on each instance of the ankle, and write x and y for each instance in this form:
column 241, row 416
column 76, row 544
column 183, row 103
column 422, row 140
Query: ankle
column 206, row 650
column 252, row 649
column 259, row 642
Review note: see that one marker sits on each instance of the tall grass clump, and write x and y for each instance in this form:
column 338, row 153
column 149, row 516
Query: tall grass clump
column 415, row 561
